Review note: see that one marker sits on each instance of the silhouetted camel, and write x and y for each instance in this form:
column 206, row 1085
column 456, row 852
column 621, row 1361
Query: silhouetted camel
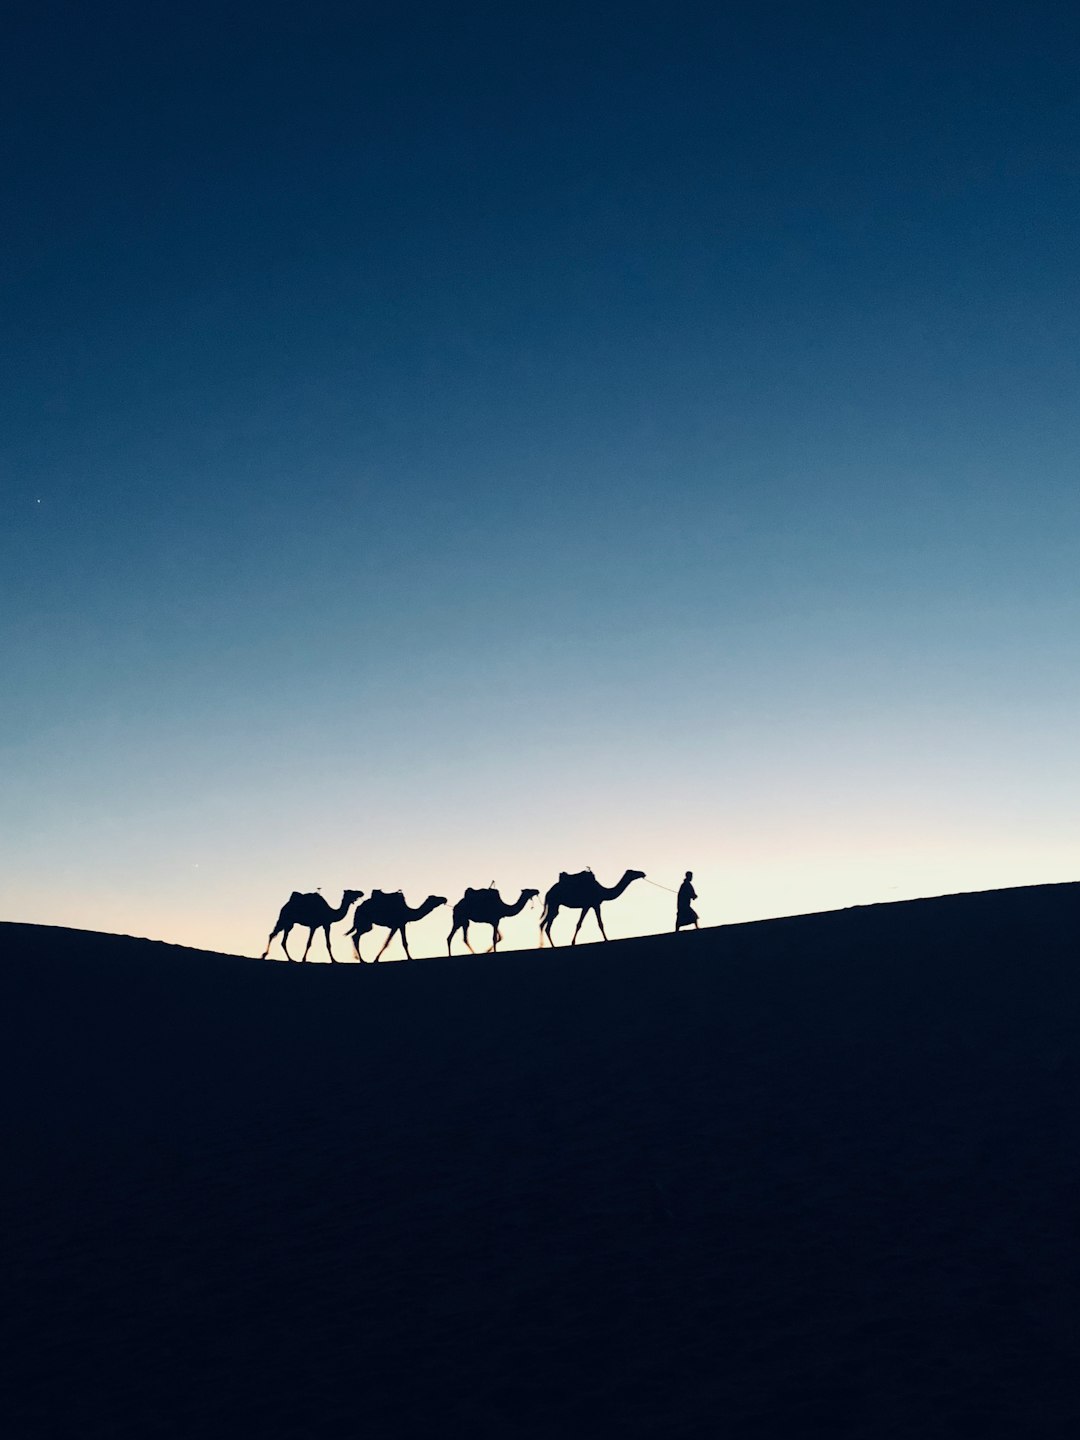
column 312, row 911
column 390, row 910
column 485, row 907
column 581, row 892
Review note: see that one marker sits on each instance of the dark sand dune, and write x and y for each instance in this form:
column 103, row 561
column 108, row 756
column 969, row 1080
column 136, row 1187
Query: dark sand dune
column 810, row 1177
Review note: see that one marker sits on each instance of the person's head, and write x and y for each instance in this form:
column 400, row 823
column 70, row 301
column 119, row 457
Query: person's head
column 689, row 874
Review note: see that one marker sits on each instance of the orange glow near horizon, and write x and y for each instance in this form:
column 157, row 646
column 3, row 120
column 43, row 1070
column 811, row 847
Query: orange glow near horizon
column 731, row 889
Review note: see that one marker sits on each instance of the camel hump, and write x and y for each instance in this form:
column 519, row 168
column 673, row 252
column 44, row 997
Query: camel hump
column 575, row 879
column 297, row 895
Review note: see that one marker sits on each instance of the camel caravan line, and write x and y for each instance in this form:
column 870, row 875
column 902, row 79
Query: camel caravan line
column 390, row 911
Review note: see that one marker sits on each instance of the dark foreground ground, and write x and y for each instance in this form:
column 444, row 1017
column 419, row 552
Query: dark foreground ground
column 811, row 1177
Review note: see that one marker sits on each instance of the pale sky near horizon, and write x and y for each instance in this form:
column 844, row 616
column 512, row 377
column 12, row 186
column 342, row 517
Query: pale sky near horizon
column 453, row 443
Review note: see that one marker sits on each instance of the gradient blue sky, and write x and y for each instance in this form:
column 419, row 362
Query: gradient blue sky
column 445, row 443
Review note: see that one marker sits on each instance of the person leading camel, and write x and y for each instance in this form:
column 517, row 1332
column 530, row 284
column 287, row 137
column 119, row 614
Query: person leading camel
column 685, row 914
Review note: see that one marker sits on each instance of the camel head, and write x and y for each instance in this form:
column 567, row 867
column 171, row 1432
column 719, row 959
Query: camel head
column 530, row 894
column 351, row 895
column 628, row 876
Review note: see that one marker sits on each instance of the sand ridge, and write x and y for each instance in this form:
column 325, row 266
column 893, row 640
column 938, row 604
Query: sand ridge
column 813, row 1176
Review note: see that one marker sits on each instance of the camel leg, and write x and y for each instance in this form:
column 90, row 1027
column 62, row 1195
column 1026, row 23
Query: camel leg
column 285, row 941
column 405, row 941
column 307, row 947
column 495, row 938
column 465, row 937
column 450, row 938
column 386, row 942
column 545, row 928
column 577, row 927
column 269, row 942
column 600, row 922
column 326, row 933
